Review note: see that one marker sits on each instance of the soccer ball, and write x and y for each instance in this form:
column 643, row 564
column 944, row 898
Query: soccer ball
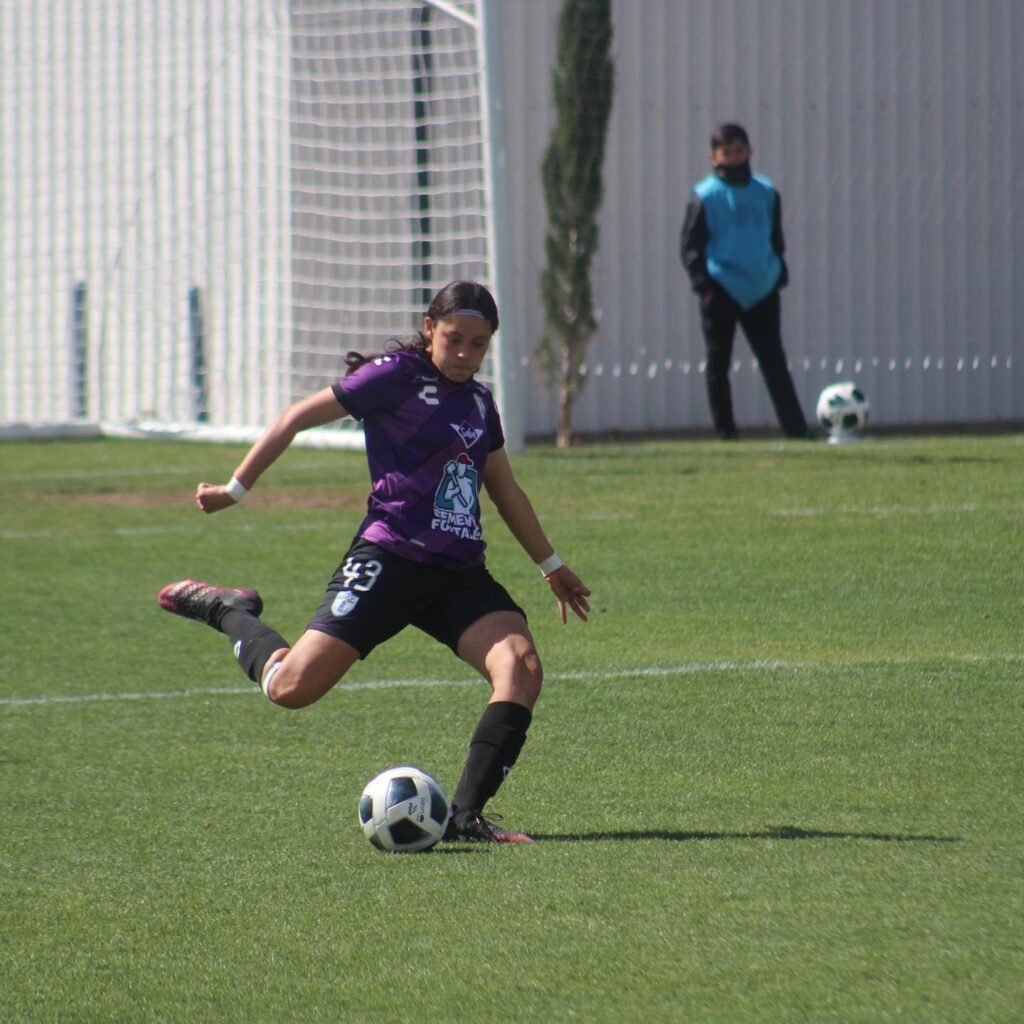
column 403, row 810
column 843, row 411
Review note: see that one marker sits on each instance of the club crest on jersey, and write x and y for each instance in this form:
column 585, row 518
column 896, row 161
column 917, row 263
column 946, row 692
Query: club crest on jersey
column 344, row 603
column 470, row 435
column 456, row 500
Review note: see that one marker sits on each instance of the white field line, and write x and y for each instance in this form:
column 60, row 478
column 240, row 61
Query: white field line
column 899, row 510
column 653, row 672
column 389, row 684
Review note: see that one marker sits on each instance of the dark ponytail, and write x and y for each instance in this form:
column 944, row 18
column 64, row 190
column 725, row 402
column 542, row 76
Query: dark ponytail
column 417, row 343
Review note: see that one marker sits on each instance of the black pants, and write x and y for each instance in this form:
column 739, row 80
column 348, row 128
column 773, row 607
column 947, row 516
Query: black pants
column 761, row 324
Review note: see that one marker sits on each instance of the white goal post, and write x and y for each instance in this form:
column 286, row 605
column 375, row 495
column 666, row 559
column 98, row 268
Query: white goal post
column 207, row 203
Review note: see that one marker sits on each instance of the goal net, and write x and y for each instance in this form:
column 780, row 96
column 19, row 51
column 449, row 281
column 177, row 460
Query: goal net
column 208, row 203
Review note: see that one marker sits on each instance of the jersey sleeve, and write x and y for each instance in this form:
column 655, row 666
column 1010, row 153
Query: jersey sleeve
column 779, row 241
column 371, row 388
column 693, row 244
column 494, row 428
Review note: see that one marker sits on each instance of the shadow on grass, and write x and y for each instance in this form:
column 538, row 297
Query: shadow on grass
column 774, row 832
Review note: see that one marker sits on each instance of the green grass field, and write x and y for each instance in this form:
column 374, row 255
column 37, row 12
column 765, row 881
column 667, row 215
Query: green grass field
column 778, row 777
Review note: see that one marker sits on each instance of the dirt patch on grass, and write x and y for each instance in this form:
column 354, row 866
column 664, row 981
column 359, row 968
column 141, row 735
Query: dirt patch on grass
column 186, row 499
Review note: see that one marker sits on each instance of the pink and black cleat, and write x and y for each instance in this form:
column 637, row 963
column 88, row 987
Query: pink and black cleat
column 473, row 827
column 206, row 603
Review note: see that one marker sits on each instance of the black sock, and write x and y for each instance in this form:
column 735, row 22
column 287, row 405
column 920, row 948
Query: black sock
column 493, row 750
column 252, row 639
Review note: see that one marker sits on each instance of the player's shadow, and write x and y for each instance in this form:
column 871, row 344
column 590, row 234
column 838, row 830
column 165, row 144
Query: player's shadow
column 785, row 832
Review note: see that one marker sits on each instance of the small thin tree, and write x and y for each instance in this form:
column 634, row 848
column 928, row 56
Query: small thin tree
column 572, row 174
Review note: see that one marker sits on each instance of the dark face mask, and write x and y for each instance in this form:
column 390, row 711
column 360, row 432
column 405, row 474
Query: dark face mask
column 738, row 175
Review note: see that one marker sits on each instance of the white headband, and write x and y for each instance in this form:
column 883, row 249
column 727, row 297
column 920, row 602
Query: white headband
column 470, row 312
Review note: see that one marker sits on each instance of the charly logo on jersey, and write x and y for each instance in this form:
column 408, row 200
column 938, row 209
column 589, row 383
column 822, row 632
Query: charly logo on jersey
column 470, row 435
column 344, row 603
column 456, row 500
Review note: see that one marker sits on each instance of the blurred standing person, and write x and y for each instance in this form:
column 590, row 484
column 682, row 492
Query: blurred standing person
column 732, row 249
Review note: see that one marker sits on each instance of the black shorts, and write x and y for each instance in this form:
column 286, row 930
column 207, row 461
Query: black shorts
column 375, row 594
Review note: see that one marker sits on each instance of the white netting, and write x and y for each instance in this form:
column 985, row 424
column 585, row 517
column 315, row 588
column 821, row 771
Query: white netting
column 207, row 203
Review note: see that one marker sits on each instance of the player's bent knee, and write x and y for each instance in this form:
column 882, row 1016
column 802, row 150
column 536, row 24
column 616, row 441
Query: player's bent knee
column 524, row 674
column 308, row 671
column 533, row 670
column 286, row 688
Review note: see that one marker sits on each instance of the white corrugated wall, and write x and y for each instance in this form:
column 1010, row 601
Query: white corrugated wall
column 136, row 145
column 894, row 130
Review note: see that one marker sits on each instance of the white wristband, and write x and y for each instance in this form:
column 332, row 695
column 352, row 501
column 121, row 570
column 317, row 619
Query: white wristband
column 236, row 489
column 550, row 564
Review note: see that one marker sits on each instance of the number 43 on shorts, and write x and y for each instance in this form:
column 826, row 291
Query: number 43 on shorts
column 361, row 576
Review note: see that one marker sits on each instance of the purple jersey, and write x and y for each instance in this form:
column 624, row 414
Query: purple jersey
column 427, row 441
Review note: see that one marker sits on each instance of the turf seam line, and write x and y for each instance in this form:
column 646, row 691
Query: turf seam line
column 878, row 511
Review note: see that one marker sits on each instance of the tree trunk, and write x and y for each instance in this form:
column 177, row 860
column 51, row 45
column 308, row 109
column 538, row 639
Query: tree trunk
column 566, row 396
column 563, row 439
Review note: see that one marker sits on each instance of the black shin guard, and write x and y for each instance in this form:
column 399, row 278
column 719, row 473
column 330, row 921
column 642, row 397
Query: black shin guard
column 493, row 750
column 252, row 639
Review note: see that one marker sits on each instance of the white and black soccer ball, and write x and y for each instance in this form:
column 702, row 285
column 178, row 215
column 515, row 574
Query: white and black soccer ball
column 843, row 411
column 403, row 810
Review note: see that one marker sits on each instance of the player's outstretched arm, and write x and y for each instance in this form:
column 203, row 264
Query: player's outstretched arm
column 317, row 410
column 515, row 509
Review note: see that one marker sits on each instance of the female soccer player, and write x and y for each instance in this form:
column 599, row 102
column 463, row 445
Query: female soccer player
column 433, row 437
